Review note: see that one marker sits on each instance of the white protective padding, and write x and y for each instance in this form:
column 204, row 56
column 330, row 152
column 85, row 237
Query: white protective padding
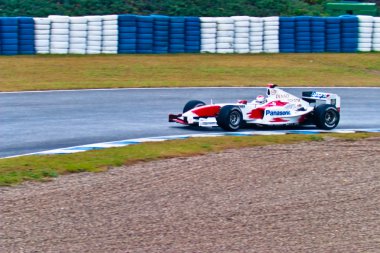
column 42, row 27
column 78, row 20
column 42, row 35
column 55, row 25
column 59, row 34
column 208, row 34
column 42, row 21
column 224, row 20
column 376, row 34
column 42, row 31
column 94, row 43
column 240, row 29
column 109, row 22
column 59, row 38
column 42, row 44
column 78, row 27
column 58, row 45
column 241, row 36
column 365, row 28
column 225, row 35
column 209, row 25
column 77, row 51
column 110, row 34
column 59, row 31
column 78, row 34
column 271, row 35
column 54, row 50
column 109, row 17
column 94, row 34
column 59, row 19
column 225, row 51
column 42, row 50
column 94, row 19
column 78, row 40
column 256, row 34
column 225, row 40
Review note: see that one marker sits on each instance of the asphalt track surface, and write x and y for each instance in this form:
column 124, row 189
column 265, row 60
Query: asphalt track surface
column 37, row 121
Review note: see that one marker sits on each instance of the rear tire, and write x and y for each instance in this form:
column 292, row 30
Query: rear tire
column 192, row 104
column 230, row 118
column 326, row 116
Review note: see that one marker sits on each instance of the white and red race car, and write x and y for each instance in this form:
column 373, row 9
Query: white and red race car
column 277, row 108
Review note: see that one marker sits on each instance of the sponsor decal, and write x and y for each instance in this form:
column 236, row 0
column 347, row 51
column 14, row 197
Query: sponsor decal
column 277, row 113
column 316, row 94
column 282, row 96
column 294, row 100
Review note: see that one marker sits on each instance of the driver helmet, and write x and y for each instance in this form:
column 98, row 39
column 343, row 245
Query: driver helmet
column 260, row 99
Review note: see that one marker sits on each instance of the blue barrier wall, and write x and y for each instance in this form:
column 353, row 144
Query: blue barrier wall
column 287, row 35
column 349, row 34
column 160, row 34
column 26, row 36
column 318, row 34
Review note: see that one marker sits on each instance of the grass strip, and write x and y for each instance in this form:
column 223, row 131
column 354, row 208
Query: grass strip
column 52, row 72
column 41, row 168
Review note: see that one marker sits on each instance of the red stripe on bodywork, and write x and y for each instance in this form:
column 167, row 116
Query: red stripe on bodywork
column 279, row 120
column 256, row 113
column 275, row 103
column 207, row 111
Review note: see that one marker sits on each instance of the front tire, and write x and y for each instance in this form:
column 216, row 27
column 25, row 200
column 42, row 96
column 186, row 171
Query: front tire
column 326, row 116
column 230, row 118
column 192, row 104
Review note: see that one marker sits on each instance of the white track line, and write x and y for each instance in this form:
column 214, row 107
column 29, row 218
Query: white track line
column 123, row 143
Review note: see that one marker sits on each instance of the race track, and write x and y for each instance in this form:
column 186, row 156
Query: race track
column 37, row 121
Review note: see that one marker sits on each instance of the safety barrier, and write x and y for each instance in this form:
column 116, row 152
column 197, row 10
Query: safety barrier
column 131, row 34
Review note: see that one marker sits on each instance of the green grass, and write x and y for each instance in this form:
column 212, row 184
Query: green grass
column 16, row 170
column 44, row 72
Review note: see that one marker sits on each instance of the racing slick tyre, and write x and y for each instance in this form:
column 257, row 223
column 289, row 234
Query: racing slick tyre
column 326, row 116
column 230, row 118
column 192, row 104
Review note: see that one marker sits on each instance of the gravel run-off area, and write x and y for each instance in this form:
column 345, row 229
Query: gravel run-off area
column 322, row 196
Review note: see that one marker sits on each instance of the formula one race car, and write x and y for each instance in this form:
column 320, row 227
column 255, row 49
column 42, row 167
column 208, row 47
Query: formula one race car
column 277, row 108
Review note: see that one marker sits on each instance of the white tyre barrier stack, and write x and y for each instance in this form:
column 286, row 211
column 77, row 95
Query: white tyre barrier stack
column 208, row 34
column 42, row 35
column 94, row 34
column 271, row 35
column 365, row 30
column 110, row 34
column 241, row 40
column 59, row 34
column 225, row 35
column 376, row 34
column 256, row 34
column 78, row 35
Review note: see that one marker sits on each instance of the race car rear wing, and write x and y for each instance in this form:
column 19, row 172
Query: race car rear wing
column 317, row 98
